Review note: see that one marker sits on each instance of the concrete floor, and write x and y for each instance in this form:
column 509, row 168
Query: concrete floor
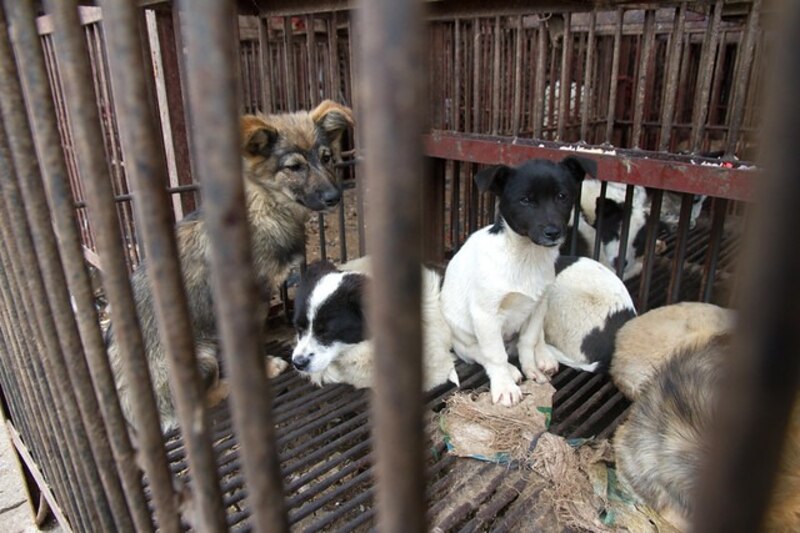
column 16, row 515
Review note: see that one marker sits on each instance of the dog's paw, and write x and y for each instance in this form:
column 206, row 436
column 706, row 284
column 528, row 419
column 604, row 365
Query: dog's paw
column 504, row 391
column 217, row 393
column 275, row 366
column 516, row 375
column 546, row 363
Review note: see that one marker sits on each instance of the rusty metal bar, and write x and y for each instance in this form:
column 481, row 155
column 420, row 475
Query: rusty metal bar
column 671, row 81
column 650, row 249
column 393, row 122
column 476, row 69
column 588, row 77
column 496, row 93
column 147, row 171
column 636, row 167
column 516, row 116
column 41, row 283
column 538, row 89
column 216, row 132
column 764, row 369
column 565, row 93
column 55, row 287
column 37, row 404
column 612, row 94
column 626, row 226
column 703, row 86
column 71, row 50
column 673, row 292
column 645, row 52
column 741, row 83
column 265, row 65
column 713, row 252
column 42, row 115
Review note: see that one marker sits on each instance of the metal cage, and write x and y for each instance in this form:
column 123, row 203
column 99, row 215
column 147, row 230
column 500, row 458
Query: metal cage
column 121, row 119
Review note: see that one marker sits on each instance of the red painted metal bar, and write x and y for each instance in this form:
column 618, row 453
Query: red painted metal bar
column 393, row 121
column 212, row 86
column 636, row 167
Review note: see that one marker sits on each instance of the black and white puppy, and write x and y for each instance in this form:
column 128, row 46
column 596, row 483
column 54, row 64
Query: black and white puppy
column 586, row 306
column 611, row 211
column 333, row 342
column 494, row 286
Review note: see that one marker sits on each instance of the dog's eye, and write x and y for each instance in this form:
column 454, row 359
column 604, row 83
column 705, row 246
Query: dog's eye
column 325, row 158
column 294, row 167
column 561, row 197
column 525, row 200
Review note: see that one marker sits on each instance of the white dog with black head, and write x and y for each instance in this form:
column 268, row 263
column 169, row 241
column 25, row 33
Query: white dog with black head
column 494, row 287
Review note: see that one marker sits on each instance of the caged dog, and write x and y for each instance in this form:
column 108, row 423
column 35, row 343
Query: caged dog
column 494, row 287
column 661, row 447
column 586, row 307
column 333, row 342
column 288, row 172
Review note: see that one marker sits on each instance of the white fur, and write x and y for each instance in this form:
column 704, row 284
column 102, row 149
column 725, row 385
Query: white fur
column 493, row 290
column 354, row 363
column 583, row 295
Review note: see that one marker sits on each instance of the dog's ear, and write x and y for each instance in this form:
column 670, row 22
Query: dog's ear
column 332, row 118
column 310, row 277
column 608, row 207
column 258, row 137
column 579, row 167
column 493, row 178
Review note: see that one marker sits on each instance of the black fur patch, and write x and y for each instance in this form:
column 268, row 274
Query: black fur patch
column 307, row 283
column 565, row 261
column 598, row 345
column 341, row 316
column 498, row 226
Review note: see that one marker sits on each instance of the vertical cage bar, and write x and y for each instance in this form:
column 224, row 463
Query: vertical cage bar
column 649, row 251
column 764, row 369
column 265, row 65
column 516, row 116
column 588, row 80
column 538, row 88
column 147, row 171
column 703, row 86
column 83, row 114
column 741, row 84
column 37, row 401
column 671, row 82
column 458, row 67
column 565, row 92
column 599, row 220
column 393, row 123
column 43, row 119
column 75, row 366
column 712, row 255
column 626, row 226
column 614, row 78
column 676, row 272
column 36, row 257
column 216, row 133
column 476, row 78
column 648, row 37
column 496, row 91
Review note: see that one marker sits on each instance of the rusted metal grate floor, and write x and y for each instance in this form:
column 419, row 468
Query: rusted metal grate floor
column 325, row 446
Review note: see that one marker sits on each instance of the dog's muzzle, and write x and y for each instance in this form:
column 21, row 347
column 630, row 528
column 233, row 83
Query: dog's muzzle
column 301, row 362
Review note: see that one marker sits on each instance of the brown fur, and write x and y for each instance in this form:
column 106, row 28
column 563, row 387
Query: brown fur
column 662, row 444
column 660, row 447
column 288, row 171
column 647, row 342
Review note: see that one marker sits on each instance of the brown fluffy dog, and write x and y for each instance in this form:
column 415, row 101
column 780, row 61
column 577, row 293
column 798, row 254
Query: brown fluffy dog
column 661, row 446
column 288, row 173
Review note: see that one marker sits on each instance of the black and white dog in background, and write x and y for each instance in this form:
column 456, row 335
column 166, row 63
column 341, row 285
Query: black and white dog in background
column 333, row 341
column 495, row 285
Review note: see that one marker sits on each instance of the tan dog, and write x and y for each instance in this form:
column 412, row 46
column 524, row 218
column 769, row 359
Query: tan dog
column 288, row 173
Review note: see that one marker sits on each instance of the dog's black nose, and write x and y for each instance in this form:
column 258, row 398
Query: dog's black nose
column 301, row 362
column 552, row 232
column 331, row 197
